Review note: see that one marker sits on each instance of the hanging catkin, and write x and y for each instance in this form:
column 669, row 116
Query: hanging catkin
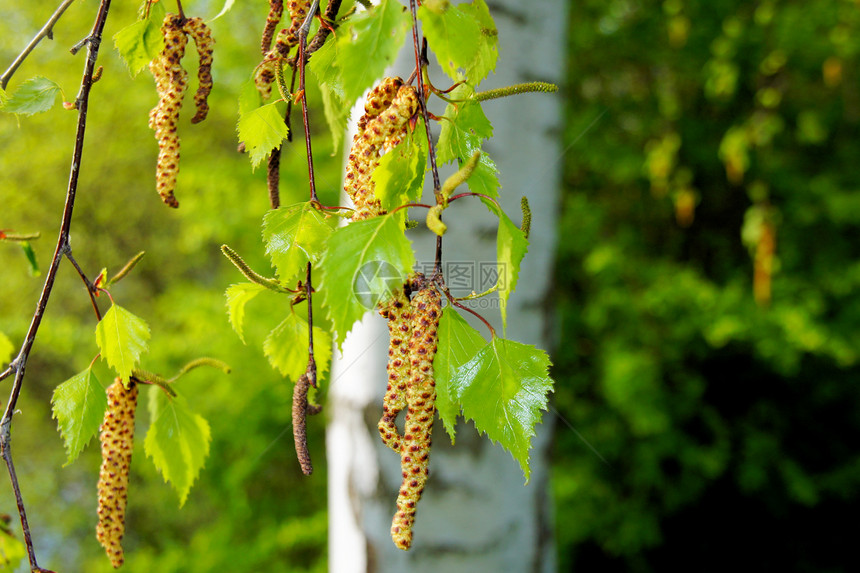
column 381, row 128
column 398, row 311
column 117, row 440
column 421, row 402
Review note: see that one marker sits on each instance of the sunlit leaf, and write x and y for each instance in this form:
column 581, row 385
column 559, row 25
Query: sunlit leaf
column 462, row 36
column 7, row 349
column 458, row 343
column 79, row 405
column 139, row 43
column 503, row 389
column 238, row 296
column 177, row 441
column 35, row 95
column 12, row 551
column 511, row 247
column 295, row 235
column 364, row 264
column 122, row 337
column 262, row 130
column 286, row 347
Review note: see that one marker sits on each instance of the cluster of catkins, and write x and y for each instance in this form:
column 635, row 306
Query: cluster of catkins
column 274, row 56
column 412, row 324
column 117, row 440
column 389, row 107
column 171, row 82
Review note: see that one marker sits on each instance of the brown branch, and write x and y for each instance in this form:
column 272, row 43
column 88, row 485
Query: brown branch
column 420, row 63
column 47, row 31
column 19, row 365
column 303, row 41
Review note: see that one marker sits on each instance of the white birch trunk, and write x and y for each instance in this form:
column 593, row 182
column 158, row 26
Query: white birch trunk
column 476, row 515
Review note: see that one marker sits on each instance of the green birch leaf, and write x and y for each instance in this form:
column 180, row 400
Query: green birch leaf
column 139, row 43
column 503, row 389
column 365, row 262
column 262, row 129
column 238, row 296
column 458, row 343
column 249, row 97
column 228, row 5
column 177, row 441
column 452, row 34
column 7, row 349
column 12, row 551
column 30, row 255
column 295, row 235
column 367, row 45
column 122, row 337
column 337, row 111
column 286, row 347
column 79, row 406
column 399, row 177
column 488, row 46
column 464, row 134
column 36, row 95
column 511, row 247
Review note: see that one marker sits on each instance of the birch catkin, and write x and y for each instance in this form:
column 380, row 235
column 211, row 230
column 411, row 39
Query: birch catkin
column 117, row 440
column 399, row 314
column 388, row 110
column 421, row 401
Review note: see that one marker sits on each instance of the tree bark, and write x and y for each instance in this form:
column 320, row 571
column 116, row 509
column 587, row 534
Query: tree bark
column 476, row 514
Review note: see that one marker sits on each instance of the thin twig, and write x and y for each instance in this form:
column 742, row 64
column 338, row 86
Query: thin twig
column 47, row 31
column 91, row 290
column 94, row 41
column 420, row 59
column 303, row 39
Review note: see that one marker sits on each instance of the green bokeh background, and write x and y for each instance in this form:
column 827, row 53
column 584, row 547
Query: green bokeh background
column 696, row 425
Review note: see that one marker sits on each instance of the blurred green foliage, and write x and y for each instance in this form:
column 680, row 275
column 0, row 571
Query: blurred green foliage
column 708, row 274
column 251, row 508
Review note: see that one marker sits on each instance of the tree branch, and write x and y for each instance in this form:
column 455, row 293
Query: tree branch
column 20, row 363
column 47, row 31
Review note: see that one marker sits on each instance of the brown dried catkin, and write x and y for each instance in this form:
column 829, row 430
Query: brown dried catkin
column 117, row 440
column 421, row 402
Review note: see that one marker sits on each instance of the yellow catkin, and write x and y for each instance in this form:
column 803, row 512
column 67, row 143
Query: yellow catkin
column 379, row 131
column 421, row 401
column 287, row 38
column 171, row 81
column 202, row 36
column 399, row 314
column 117, row 439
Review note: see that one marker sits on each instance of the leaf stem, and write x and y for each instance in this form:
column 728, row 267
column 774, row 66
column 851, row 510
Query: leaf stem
column 91, row 289
column 47, row 31
column 454, row 302
column 93, row 43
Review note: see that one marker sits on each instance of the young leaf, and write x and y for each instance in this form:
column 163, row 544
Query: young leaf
column 139, row 43
column 228, row 5
column 122, row 337
column 488, row 46
column 294, row 236
column 399, row 177
column 30, row 255
column 79, row 406
column 6, row 349
column 177, row 441
column 365, row 262
column 238, row 296
column 262, row 129
column 503, row 388
column 462, row 135
column 453, row 34
column 367, row 45
column 36, row 95
column 336, row 110
column 286, row 347
column 458, row 343
column 511, row 247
